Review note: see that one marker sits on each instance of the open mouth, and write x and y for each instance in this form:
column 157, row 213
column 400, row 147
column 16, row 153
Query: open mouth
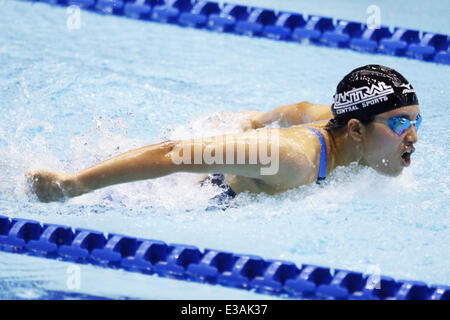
column 406, row 157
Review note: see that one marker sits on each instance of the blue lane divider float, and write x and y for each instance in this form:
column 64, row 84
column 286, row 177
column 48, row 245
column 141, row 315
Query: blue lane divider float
column 198, row 16
column 227, row 18
column 179, row 261
column 287, row 26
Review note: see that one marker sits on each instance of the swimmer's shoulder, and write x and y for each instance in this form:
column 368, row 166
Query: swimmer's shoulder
column 298, row 152
column 321, row 111
column 309, row 105
column 310, row 112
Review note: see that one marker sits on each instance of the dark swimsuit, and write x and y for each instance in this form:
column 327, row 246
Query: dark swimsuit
column 222, row 200
column 227, row 194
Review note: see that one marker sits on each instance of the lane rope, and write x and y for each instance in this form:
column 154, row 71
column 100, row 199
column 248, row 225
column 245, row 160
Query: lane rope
column 186, row 262
column 279, row 25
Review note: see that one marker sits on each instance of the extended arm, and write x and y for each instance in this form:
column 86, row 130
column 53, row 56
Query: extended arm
column 252, row 154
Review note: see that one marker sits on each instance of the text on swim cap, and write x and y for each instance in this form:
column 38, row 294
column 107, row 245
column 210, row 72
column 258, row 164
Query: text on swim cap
column 344, row 100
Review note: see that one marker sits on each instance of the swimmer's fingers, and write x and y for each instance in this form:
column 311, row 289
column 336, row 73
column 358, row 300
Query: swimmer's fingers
column 46, row 185
column 249, row 122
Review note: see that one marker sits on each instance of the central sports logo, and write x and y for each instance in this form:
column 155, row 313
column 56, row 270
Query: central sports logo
column 360, row 95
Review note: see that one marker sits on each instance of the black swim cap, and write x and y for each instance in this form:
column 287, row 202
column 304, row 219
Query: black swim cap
column 370, row 90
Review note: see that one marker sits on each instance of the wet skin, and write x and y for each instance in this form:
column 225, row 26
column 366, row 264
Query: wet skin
column 373, row 144
column 383, row 148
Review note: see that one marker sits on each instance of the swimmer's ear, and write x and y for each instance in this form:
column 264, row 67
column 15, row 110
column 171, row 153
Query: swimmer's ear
column 355, row 129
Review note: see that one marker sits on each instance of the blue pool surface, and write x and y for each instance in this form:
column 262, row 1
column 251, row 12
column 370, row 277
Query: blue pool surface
column 72, row 98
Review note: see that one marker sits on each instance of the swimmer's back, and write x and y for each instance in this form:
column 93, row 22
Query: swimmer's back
column 303, row 143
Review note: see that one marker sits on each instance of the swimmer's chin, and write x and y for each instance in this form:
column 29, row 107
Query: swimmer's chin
column 389, row 172
column 384, row 170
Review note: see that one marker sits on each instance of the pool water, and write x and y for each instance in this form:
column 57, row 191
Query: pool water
column 72, row 98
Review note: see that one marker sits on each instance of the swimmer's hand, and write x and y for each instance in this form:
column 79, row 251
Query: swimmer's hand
column 248, row 123
column 51, row 185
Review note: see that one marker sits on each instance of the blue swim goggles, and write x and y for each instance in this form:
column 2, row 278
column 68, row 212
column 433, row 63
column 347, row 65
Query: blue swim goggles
column 401, row 124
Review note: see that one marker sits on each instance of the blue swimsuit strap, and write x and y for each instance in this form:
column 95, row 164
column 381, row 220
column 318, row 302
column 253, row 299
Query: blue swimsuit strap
column 323, row 156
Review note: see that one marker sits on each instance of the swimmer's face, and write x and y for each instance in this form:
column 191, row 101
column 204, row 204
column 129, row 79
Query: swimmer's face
column 383, row 149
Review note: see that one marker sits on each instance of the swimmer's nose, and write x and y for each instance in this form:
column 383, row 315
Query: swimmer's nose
column 411, row 135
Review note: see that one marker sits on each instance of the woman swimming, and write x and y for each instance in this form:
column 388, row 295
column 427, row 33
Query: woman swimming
column 373, row 121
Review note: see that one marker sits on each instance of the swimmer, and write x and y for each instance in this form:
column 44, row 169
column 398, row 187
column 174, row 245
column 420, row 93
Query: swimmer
column 373, row 121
